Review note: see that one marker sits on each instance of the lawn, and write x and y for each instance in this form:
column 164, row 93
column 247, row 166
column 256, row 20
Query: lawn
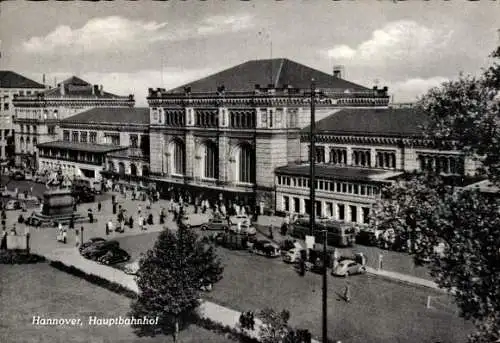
column 32, row 290
column 381, row 310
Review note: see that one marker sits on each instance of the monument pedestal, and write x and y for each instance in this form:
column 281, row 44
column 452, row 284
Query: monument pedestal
column 57, row 207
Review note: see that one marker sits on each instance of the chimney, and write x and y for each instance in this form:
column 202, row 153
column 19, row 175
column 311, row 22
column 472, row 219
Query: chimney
column 93, row 89
column 338, row 71
column 43, row 79
column 101, row 92
column 61, row 87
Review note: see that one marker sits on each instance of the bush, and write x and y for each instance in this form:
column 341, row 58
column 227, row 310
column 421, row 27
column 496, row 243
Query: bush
column 94, row 279
column 19, row 257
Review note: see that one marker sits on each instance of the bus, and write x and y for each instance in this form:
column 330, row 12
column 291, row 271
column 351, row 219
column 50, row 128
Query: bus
column 338, row 233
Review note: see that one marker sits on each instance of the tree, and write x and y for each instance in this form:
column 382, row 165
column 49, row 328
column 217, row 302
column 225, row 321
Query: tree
column 274, row 326
column 170, row 279
column 427, row 212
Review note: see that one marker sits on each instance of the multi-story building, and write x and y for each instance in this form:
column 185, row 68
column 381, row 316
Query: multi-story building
column 12, row 84
column 224, row 135
column 87, row 143
column 357, row 152
column 37, row 116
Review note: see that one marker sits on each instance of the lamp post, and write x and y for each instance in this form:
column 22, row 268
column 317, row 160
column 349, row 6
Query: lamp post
column 312, row 217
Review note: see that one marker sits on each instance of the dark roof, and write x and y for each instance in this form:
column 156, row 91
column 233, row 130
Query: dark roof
column 399, row 122
column 130, row 153
column 102, row 148
column 74, row 86
column 451, row 180
column 279, row 72
column 10, row 79
column 117, row 115
column 327, row 171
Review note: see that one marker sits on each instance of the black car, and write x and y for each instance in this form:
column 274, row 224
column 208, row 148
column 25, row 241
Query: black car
column 90, row 242
column 115, row 255
column 18, row 175
column 96, row 250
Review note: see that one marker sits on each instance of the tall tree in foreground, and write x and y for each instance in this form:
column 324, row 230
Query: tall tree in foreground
column 170, row 279
column 426, row 213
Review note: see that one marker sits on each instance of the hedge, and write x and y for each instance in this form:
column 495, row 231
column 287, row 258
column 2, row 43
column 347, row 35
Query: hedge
column 19, row 257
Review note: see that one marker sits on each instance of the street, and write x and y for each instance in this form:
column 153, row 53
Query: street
column 381, row 310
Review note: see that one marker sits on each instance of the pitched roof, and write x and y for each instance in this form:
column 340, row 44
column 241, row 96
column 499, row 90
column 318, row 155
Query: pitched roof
column 117, row 115
column 394, row 122
column 74, row 86
column 10, row 79
column 329, row 171
column 280, row 72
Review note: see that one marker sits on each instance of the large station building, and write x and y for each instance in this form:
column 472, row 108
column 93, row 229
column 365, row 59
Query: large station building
column 38, row 116
column 223, row 136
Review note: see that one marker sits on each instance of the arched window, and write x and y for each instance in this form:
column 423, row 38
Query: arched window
column 145, row 171
column 133, row 169
column 21, row 141
column 210, row 160
column 178, row 158
column 35, row 141
column 246, row 164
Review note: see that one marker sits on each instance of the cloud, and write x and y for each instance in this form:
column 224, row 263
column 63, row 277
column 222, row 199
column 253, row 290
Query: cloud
column 118, row 33
column 403, row 41
column 411, row 89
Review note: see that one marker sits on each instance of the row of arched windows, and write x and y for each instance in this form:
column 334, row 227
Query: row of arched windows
column 209, row 159
column 122, row 171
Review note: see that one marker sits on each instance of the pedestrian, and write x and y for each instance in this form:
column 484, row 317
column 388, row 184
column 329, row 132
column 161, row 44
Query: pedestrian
column 131, row 222
column 162, row 216
column 271, row 236
column 140, row 222
column 110, row 225
column 99, row 205
column 107, row 229
column 347, row 293
column 64, row 235
column 251, row 320
column 77, row 238
column 380, row 261
column 72, row 222
column 91, row 215
column 3, row 243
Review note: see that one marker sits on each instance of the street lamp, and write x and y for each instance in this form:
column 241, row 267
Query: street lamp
column 312, row 214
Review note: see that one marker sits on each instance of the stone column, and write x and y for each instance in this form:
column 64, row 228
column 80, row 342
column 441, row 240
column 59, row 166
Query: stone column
column 223, row 158
column 189, row 154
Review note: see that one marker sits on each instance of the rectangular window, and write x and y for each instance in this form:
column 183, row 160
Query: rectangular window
column 83, row 136
column 356, row 189
column 294, row 182
column 321, row 185
column 363, row 190
column 344, row 187
column 308, row 206
column 134, row 141
column 74, row 136
column 270, row 118
column 315, row 184
column 6, row 106
column 354, row 213
column 51, row 130
column 318, row 209
column 93, row 137
column 366, row 215
column 296, row 205
column 300, row 182
column 339, row 187
column 66, row 135
column 329, row 209
column 286, row 203
column 341, row 211
column 350, row 188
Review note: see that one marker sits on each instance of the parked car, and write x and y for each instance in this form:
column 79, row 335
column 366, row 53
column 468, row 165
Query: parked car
column 293, row 255
column 96, row 250
column 13, row 205
column 113, row 256
column 265, row 248
column 216, row 224
column 245, row 229
column 192, row 221
column 239, row 219
column 348, row 267
column 131, row 268
column 33, row 221
column 18, row 175
column 90, row 242
column 233, row 240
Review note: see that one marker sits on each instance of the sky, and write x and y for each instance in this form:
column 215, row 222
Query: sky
column 129, row 47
